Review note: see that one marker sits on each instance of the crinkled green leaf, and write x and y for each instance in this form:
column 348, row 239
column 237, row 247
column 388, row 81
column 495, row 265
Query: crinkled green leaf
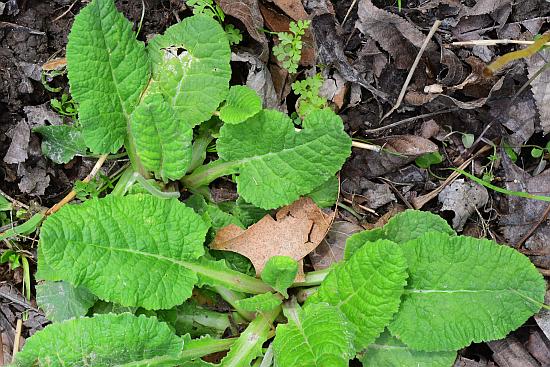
column 316, row 335
column 387, row 351
column 108, row 69
column 25, row 228
column 163, row 143
column 102, row 307
column 463, row 290
column 61, row 143
column 280, row 272
column 276, row 164
column 247, row 213
column 326, row 194
column 191, row 67
column 260, row 302
column 242, row 103
column 401, row 228
column 62, row 301
column 367, row 289
column 4, row 204
column 132, row 250
column 100, row 341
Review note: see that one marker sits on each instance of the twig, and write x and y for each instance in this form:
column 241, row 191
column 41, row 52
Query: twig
column 544, row 272
column 30, row 30
column 17, row 340
column 12, row 299
column 70, row 196
column 493, row 43
column 436, row 25
column 533, row 228
column 349, row 11
column 14, row 201
column 420, row 201
column 409, row 119
column 396, row 192
column 66, row 11
column 2, row 361
column 361, row 145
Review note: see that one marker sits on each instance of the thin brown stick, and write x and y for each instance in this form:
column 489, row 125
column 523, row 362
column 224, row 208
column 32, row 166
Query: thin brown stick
column 348, row 12
column 66, row 11
column 361, row 145
column 493, row 43
column 420, row 201
column 409, row 119
column 434, row 28
column 17, row 340
column 544, row 272
column 70, row 196
column 2, row 361
column 533, row 228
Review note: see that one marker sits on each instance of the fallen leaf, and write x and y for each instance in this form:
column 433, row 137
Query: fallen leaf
column 39, row 115
column 369, row 164
column 397, row 36
column 543, row 317
column 462, row 198
column 55, row 64
column 292, row 8
column 521, row 215
column 511, row 352
column 331, row 249
column 296, row 231
column 536, row 345
column 20, row 136
column 34, row 180
column 248, row 12
column 365, row 192
column 541, row 87
column 334, row 89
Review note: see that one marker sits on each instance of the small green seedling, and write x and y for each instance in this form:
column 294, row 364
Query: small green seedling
column 308, row 91
column 289, row 49
column 66, row 106
column 211, row 9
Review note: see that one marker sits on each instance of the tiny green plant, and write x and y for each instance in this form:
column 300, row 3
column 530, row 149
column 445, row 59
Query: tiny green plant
column 289, row 49
column 308, row 90
column 208, row 7
column 117, row 272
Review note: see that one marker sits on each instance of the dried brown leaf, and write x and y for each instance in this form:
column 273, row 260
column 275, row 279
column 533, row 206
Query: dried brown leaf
column 296, row 230
column 292, row 8
column 540, row 87
column 400, row 38
column 463, row 198
column 248, row 12
column 331, row 249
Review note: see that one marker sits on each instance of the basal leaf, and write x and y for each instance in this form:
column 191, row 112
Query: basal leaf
column 190, row 318
column 259, row 302
column 401, row 228
column 463, row 290
column 191, row 67
column 108, row 69
column 163, row 143
column 326, row 194
column 100, row 341
column 132, row 250
column 61, row 143
column 241, row 104
column 387, row 351
column 62, row 301
column 276, row 164
column 367, row 289
column 280, row 272
column 314, row 336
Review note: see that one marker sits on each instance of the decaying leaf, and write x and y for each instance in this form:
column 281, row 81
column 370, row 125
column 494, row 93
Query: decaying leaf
column 463, row 198
column 541, row 87
column 292, row 8
column 20, row 136
column 400, row 38
column 398, row 151
column 331, row 249
column 296, row 230
column 523, row 214
column 248, row 12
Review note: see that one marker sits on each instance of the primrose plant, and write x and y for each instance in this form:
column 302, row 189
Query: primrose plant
column 118, row 273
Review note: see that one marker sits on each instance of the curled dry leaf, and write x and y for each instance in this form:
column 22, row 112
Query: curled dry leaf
column 463, row 198
column 541, row 87
column 331, row 249
column 400, row 38
column 248, row 12
column 296, row 230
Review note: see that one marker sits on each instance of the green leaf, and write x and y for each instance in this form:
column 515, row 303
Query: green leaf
column 367, row 289
column 536, row 152
column 61, row 301
column 463, row 290
column 4, row 204
column 23, row 229
column 108, row 69
column 401, row 228
column 247, row 214
column 260, row 302
column 61, row 143
column 191, row 67
column 241, row 104
column 468, row 140
column 387, row 351
column 315, row 336
column 427, row 160
column 100, row 341
column 139, row 245
column 326, row 194
column 280, row 272
column 276, row 164
column 249, row 344
column 163, row 143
